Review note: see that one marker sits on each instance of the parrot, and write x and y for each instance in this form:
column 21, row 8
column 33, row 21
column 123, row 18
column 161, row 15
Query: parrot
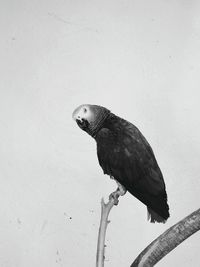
column 125, row 155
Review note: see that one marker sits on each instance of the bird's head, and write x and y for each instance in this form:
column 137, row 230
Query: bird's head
column 90, row 118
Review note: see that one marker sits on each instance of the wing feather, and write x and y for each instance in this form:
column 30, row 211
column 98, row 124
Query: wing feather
column 126, row 155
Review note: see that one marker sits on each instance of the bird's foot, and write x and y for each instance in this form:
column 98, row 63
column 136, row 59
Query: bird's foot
column 114, row 196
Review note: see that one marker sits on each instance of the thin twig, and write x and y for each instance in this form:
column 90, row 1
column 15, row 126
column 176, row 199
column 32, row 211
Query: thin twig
column 170, row 239
column 105, row 210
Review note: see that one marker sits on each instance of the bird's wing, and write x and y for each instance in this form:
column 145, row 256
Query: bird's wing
column 130, row 160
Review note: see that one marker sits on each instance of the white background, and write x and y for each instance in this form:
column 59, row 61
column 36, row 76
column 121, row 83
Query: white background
column 141, row 59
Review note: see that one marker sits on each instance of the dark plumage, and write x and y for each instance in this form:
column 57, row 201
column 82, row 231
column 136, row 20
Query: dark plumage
column 125, row 154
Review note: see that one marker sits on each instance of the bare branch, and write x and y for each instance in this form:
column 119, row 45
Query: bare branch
column 105, row 210
column 170, row 239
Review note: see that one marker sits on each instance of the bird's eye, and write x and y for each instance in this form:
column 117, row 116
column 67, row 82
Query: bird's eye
column 85, row 110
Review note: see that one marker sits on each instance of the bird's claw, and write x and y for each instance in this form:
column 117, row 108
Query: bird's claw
column 117, row 193
column 114, row 196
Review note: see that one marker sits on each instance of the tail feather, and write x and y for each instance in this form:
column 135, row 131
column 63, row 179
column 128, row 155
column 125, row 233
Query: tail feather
column 153, row 217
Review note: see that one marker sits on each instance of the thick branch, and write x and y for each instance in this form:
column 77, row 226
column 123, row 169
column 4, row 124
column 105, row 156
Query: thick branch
column 170, row 239
column 105, row 210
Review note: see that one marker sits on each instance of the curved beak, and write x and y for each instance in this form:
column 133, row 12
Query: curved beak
column 79, row 121
column 82, row 123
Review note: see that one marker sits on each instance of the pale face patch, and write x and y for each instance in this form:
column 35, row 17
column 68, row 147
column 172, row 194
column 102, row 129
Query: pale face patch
column 83, row 112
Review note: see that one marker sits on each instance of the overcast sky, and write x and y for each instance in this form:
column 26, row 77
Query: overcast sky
column 141, row 59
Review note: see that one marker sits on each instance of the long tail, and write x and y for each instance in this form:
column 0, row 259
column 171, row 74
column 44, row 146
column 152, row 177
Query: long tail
column 153, row 217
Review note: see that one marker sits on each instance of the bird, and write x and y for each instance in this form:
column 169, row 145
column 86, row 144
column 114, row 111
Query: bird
column 125, row 155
